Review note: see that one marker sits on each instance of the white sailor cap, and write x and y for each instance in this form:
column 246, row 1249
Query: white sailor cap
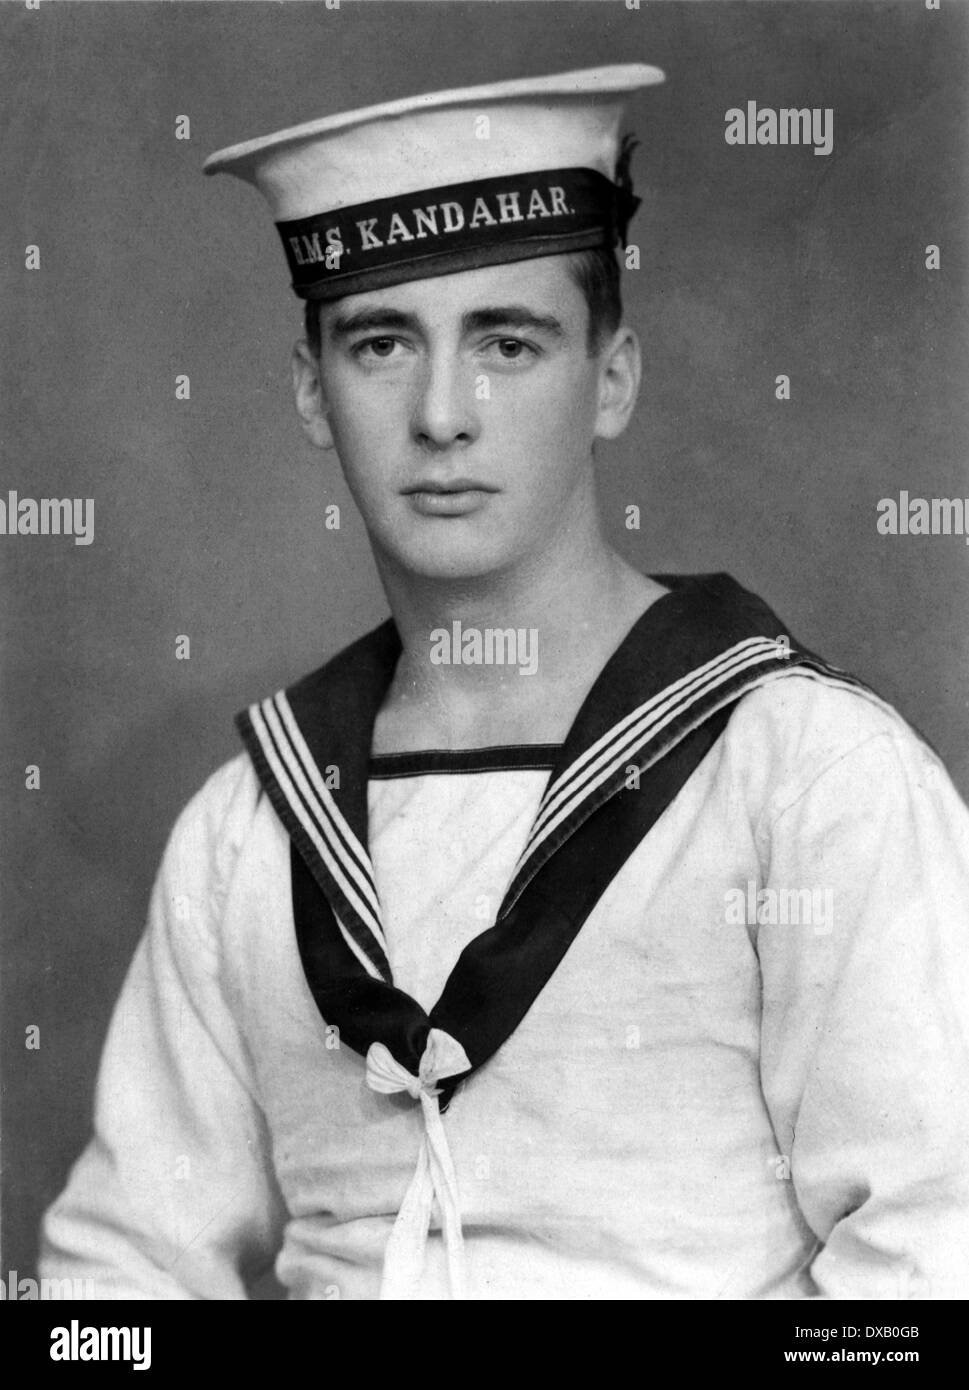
column 448, row 181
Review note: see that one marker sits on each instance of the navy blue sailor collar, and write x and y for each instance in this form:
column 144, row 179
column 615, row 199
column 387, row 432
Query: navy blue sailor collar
column 656, row 708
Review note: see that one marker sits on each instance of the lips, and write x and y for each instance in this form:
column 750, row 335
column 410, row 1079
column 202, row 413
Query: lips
column 450, row 497
column 447, row 486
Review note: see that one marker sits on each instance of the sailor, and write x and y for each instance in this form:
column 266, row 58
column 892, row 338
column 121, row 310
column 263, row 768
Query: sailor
column 636, row 970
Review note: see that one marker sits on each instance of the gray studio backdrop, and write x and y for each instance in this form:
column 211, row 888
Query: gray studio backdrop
column 209, row 512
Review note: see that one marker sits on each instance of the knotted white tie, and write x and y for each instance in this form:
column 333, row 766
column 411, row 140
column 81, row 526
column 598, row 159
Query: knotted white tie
column 434, row 1175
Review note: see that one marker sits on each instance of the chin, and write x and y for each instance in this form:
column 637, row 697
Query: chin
column 450, row 558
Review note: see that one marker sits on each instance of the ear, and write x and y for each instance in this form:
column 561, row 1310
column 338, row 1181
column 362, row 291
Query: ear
column 620, row 371
column 308, row 393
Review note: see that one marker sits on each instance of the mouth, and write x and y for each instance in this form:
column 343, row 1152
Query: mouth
column 453, row 497
column 451, row 485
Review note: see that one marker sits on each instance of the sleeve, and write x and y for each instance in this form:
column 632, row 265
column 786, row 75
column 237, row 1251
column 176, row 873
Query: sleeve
column 865, row 1023
column 175, row 1197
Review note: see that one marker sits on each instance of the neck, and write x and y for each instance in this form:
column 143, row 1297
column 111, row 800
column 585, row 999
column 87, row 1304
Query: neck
column 569, row 607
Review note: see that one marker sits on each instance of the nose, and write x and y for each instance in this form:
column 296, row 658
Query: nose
column 445, row 412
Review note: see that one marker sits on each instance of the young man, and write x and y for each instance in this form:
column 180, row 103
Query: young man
column 575, row 934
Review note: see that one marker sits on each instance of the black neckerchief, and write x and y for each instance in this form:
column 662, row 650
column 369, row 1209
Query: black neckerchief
column 655, row 710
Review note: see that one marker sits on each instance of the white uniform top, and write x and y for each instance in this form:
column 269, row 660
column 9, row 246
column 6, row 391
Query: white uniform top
column 698, row 1104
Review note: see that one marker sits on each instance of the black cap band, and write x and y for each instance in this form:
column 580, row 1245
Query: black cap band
column 437, row 231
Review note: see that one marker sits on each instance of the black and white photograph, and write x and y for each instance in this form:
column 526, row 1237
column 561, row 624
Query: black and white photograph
column 484, row 532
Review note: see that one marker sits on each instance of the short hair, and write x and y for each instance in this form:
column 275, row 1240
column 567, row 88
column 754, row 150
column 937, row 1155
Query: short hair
column 596, row 273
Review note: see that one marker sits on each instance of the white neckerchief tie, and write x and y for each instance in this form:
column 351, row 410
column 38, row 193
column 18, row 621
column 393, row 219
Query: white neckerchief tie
column 434, row 1175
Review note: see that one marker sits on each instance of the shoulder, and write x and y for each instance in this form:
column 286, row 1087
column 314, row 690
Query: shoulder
column 804, row 716
column 216, row 821
column 800, row 733
column 204, row 850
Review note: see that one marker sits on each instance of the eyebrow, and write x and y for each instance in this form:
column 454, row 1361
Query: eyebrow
column 369, row 320
column 379, row 320
column 512, row 316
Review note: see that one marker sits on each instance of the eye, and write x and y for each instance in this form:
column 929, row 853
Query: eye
column 512, row 349
column 376, row 347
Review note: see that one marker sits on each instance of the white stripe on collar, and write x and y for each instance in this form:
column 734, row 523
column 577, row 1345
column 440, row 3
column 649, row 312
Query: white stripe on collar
column 598, row 763
column 301, row 782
